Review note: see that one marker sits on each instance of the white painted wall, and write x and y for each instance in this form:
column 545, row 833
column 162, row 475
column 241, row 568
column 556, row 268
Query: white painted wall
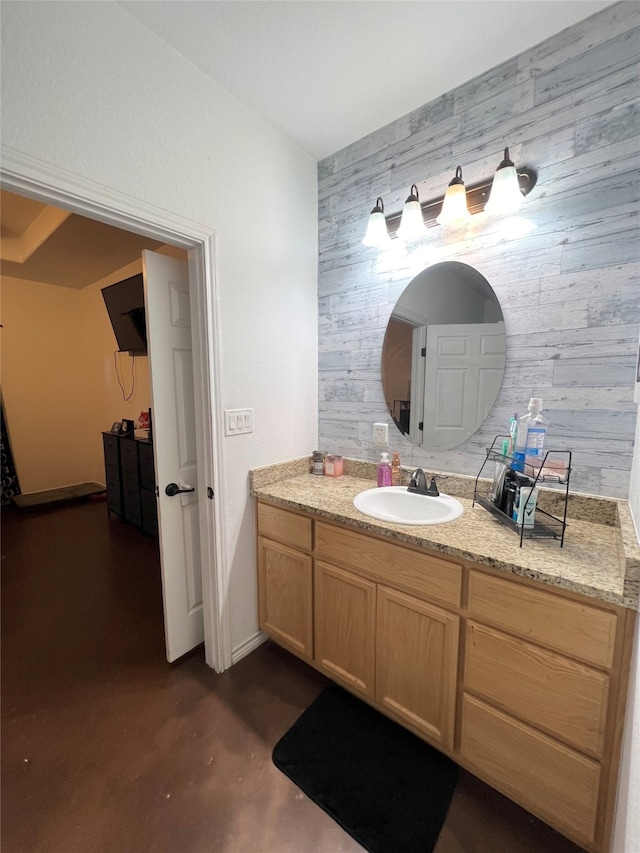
column 627, row 827
column 87, row 88
column 59, row 383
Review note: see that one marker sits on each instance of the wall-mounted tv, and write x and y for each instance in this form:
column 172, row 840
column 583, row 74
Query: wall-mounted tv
column 125, row 305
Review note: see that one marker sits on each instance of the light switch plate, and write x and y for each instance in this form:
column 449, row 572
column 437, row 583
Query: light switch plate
column 238, row 421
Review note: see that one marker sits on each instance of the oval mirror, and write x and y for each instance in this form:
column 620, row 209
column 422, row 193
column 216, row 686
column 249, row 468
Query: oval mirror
column 443, row 355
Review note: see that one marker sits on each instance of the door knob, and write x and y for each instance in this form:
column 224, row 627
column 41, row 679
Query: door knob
column 174, row 489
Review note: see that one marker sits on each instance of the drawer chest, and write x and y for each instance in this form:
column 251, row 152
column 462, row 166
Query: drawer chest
column 521, row 683
column 130, row 480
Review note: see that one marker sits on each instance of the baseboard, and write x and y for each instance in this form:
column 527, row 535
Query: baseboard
column 248, row 646
column 78, row 491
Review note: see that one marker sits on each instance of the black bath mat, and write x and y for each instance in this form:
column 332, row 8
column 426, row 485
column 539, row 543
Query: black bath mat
column 384, row 786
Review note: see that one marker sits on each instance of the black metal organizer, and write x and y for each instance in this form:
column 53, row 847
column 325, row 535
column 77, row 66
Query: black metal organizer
column 546, row 524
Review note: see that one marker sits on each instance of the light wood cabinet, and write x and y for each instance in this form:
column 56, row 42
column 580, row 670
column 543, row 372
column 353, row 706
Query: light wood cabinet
column 575, row 628
column 560, row 696
column 425, row 575
column 344, row 627
column 283, row 526
column 285, row 596
column 416, row 664
column 522, row 684
column 554, row 782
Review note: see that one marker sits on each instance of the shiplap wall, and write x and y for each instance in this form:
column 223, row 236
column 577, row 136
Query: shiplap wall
column 565, row 271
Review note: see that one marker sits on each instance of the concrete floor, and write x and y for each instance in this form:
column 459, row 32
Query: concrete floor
column 106, row 748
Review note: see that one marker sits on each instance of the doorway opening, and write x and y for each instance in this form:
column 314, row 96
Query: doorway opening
column 30, row 178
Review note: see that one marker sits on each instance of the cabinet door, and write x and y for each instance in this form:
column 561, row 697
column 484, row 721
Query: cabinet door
column 345, row 613
column 416, row 663
column 285, row 596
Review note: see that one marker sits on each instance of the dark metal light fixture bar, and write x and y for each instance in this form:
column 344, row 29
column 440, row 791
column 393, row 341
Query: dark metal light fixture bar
column 477, row 196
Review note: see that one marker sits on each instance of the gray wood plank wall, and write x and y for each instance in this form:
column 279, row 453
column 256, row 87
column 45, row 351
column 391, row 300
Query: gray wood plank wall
column 569, row 289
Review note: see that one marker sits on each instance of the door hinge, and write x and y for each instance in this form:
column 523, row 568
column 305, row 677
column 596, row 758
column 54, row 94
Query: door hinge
column 421, row 425
column 210, row 493
column 423, row 352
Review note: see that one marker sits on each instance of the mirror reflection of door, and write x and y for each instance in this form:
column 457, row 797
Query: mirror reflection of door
column 444, row 355
column 463, row 373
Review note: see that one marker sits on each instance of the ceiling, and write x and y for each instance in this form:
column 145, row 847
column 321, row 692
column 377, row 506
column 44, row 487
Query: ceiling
column 327, row 72
column 52, row 246
column 323, row 72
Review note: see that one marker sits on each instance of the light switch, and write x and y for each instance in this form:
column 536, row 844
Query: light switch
column 238, row 421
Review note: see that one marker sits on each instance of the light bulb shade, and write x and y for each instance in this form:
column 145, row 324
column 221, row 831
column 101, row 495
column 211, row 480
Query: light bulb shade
column 506, row 196
column 376, row 234
column 412, row 225
column 454, row 206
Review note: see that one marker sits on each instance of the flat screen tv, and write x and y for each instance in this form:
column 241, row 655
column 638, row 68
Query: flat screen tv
column 125, row 305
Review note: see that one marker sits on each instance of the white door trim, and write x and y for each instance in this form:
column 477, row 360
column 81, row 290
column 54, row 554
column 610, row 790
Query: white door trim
column 28, row 176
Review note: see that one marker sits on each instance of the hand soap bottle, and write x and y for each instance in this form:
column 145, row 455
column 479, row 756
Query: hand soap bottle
column 384, row 470
column 396, row 473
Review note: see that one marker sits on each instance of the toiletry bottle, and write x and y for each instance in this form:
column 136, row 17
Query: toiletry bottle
column 318, row 463
column 521, row 435
column 384, row 470
column 530, row 436
column 497, row 486
column 508, row 493
column 396, row 473
column 525, row 506
column 513, row 431
column 536, row 433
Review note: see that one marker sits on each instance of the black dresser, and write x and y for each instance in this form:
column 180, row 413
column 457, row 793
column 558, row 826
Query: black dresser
column 131, row 482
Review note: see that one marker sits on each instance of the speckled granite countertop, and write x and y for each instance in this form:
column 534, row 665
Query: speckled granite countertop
column 600, row 557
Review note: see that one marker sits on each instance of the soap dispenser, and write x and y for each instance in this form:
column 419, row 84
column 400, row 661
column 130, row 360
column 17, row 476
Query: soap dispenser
column 396, row 473
column 384, row 470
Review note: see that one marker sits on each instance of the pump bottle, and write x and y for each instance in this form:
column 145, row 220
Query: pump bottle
column 396, row 473
column 532, row 429
column 384, row 470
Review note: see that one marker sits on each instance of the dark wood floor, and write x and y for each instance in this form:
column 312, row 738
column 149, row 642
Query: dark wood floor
column 106, row 748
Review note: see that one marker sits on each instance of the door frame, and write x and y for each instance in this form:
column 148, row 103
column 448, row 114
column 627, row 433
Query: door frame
column 28, row 176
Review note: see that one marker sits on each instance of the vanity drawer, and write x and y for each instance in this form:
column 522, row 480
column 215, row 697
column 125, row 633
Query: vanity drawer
column 567, row 626
column 285, row 527
column 565, row 698
column 546, row 777
column 409, row 571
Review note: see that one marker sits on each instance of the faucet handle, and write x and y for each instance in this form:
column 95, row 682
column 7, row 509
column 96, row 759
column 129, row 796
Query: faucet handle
column 433, row 486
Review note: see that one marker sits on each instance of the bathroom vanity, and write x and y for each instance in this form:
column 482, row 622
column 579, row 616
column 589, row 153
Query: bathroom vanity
column 512, row 661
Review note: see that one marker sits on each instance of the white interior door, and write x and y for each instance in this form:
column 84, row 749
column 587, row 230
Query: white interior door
column 166, row 285
column 463, row 371
column 416, row 405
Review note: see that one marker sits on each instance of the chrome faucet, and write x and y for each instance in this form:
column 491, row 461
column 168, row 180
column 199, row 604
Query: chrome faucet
column 418, row 484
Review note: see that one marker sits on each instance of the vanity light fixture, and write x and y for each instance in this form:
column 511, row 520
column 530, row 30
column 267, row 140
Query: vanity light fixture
column 377, row 235
column 412, row 225
column 454, row 207
column 498, row 196
column 506, row 196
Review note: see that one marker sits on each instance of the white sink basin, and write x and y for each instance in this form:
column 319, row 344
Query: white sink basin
column 397, row 505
